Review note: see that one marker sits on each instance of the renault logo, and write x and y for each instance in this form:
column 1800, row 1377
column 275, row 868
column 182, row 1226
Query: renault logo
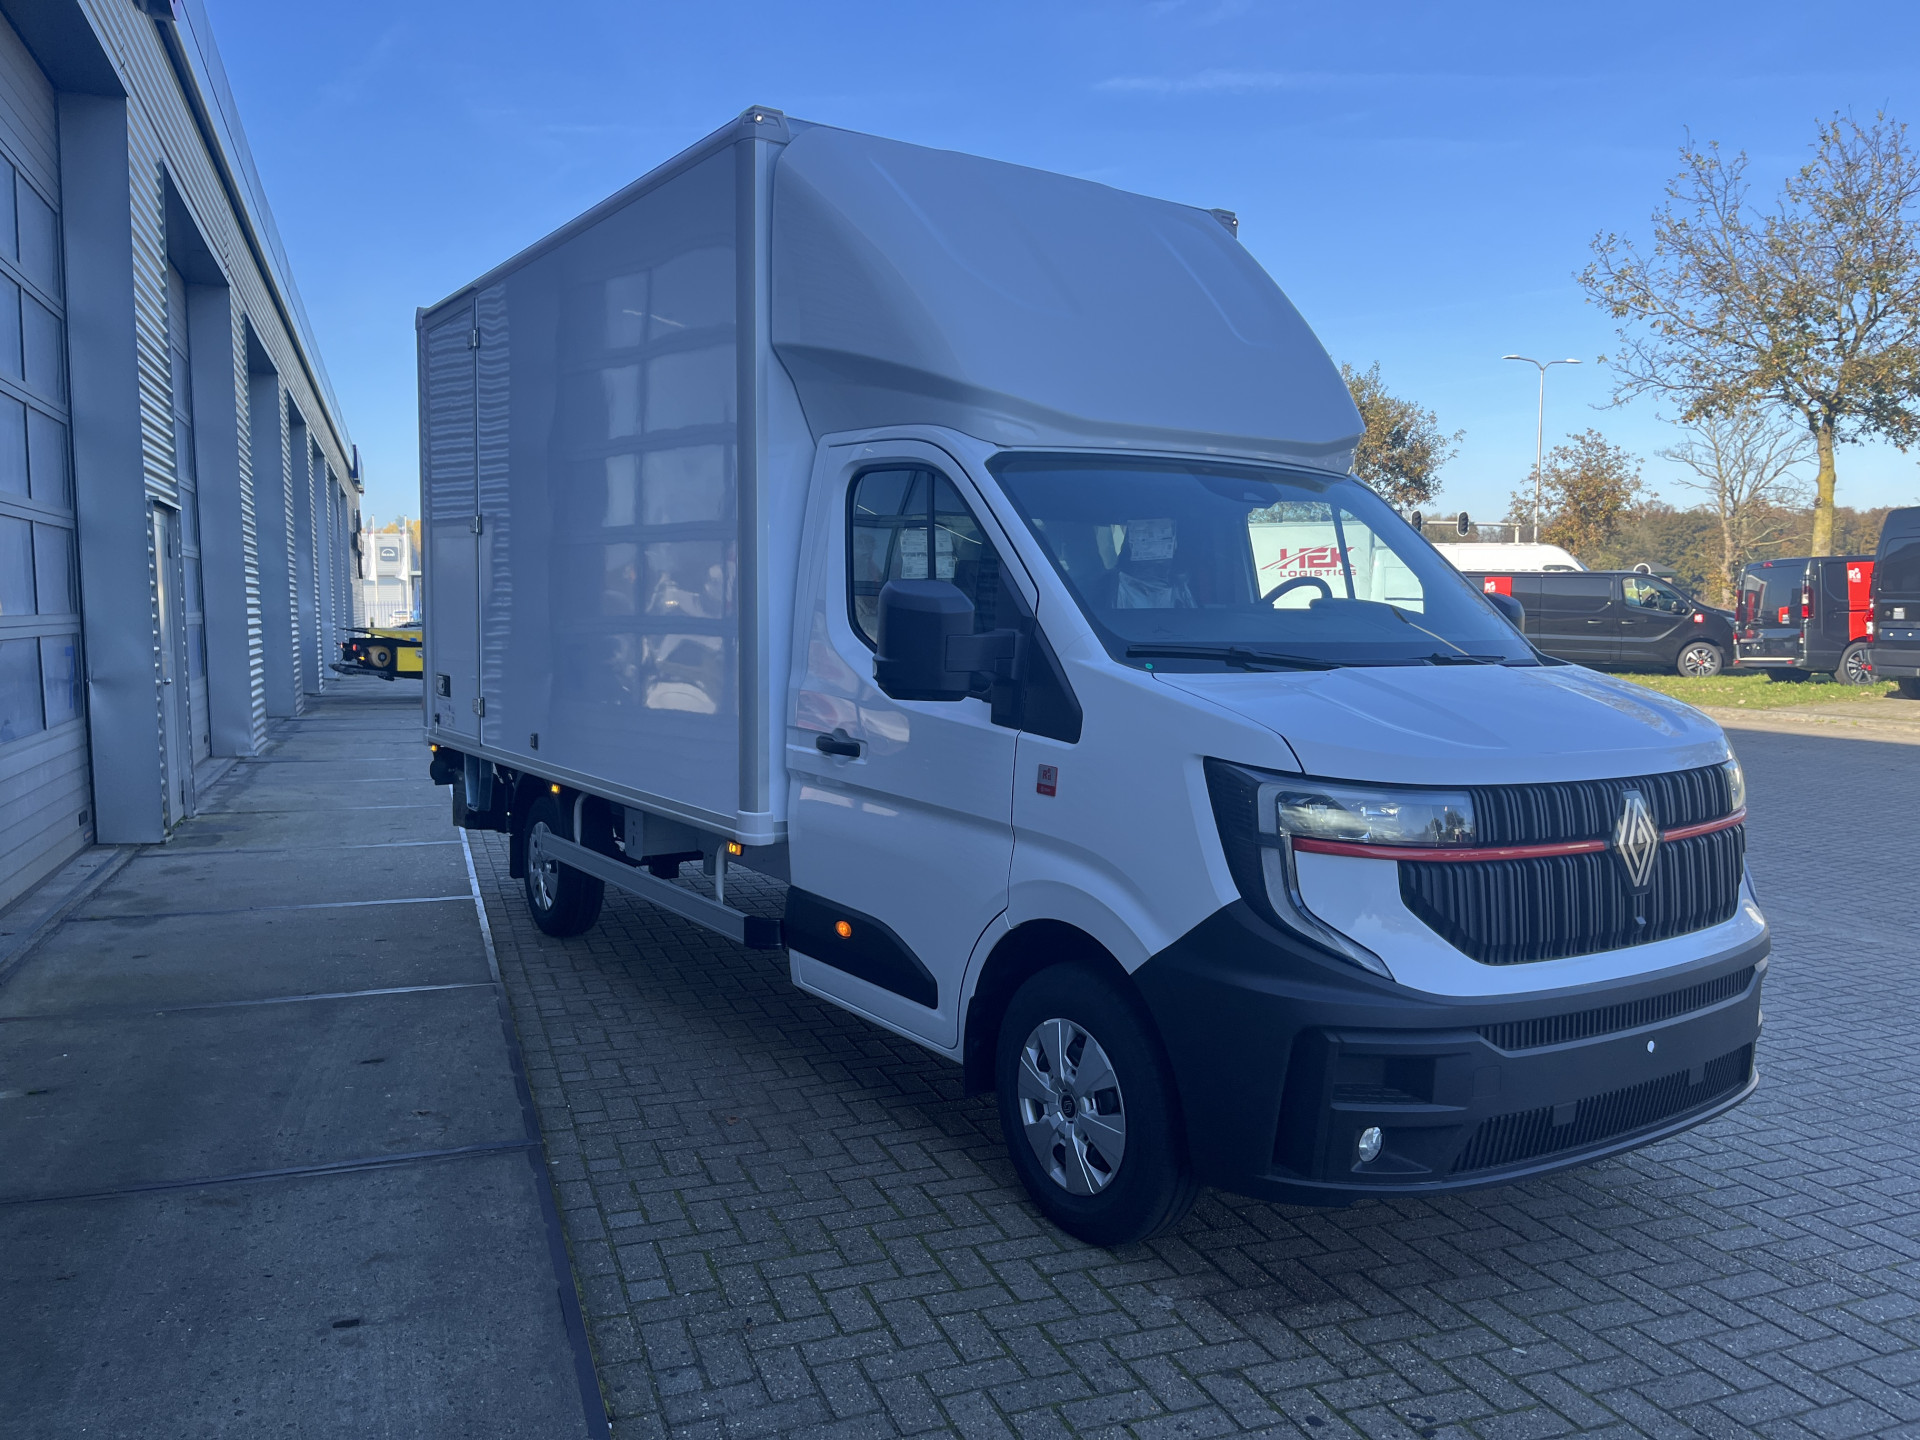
column 1636, row 838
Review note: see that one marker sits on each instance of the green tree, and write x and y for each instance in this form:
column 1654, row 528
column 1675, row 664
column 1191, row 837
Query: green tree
column 1403, row 447
column 1813, row 306
column 1588, row 489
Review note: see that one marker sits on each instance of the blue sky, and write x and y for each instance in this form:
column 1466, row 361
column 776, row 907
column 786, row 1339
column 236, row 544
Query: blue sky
column 1421, row 179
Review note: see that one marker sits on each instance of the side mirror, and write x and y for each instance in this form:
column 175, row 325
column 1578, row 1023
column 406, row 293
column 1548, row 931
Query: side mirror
column 1510, row 609
column 917, row 618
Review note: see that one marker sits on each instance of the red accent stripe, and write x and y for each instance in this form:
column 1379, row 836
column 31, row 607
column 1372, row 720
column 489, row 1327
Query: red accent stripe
column 1409, row 852
column 1497, row 852
column 1707, row 827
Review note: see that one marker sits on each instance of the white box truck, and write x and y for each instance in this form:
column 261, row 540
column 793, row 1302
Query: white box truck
column 973, row 549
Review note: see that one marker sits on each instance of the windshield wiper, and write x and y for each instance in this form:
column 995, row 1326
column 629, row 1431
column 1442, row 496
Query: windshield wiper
column 1236, row 655
column 1460, row 657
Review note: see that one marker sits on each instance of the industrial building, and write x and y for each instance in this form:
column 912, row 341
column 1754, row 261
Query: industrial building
column 178, row 492
column 388, row 590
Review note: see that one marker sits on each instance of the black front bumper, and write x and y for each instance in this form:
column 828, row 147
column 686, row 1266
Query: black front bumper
column 1283, row 1055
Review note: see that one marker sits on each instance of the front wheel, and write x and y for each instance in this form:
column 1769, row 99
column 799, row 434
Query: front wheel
column 1701, row 659
column 1856, row 666
column 1088, row 1109
column 563, row 902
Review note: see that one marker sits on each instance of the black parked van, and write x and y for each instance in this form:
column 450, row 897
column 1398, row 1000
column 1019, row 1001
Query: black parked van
column 1806, row 616
column 1896, row 602
column 1622, row 618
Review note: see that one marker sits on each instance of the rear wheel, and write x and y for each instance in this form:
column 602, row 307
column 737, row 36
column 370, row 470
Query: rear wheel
column 562, row 900
column 1856, row 666
column 1088, row 1110
column 1701, row 659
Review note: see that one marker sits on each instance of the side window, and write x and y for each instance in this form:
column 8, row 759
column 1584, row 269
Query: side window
column 911, row 524
column 1575, row 594
column 1652, row 595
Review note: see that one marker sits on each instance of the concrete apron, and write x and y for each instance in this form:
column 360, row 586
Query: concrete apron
column 271, row 1165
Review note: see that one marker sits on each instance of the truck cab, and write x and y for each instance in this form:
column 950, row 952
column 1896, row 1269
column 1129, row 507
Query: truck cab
column 974, row 551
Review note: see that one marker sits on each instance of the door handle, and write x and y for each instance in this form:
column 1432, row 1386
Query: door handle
column 838, row 743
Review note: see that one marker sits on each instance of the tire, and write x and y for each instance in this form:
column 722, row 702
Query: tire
column 1700, row 660
column 1784, row 676
column 1060, row 1147
column 1907, row 687
column 562, row 901
column 380, row 657
column 1856, row 665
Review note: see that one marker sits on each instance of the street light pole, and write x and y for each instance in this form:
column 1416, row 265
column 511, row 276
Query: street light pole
column 1539, row 428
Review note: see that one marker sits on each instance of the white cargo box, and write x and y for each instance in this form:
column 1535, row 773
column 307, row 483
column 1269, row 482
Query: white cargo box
column 593, row 453
column 618, row 425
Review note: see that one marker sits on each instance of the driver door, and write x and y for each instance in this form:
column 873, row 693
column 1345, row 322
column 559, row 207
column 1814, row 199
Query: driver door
column 900, row 813
column 1651, row 615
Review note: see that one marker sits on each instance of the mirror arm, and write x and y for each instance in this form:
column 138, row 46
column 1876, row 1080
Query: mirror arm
column 996, row 653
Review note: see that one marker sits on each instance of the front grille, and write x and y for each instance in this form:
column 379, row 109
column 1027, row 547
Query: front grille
column 1589, row 809
column 1511, row 912
column 1529, row 1134
column 1607, row 1020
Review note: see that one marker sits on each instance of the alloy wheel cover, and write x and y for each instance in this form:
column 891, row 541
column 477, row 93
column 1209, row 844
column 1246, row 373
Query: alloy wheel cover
column 1699, row 660
column 1071, row 1107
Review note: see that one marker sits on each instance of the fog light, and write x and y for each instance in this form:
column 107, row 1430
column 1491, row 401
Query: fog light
column 1369, row 1146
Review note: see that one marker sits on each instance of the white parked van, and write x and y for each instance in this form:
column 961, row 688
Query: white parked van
column 973, row 549
column 1475, row 555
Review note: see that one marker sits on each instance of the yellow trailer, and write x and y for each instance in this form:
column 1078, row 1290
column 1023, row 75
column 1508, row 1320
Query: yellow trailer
column 384, row 650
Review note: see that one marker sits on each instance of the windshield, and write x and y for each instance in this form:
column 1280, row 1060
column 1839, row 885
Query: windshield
column 1185, row 565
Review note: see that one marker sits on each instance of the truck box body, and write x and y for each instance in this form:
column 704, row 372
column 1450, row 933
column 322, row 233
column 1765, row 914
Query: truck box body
column 618, row 424
column 973, row 550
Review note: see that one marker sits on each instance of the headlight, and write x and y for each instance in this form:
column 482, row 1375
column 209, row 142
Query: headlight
column 1736, row 786
column 1248, row 806
column 1365, row 816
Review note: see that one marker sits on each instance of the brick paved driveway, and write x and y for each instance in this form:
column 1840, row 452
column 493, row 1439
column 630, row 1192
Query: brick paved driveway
column 788, row 1223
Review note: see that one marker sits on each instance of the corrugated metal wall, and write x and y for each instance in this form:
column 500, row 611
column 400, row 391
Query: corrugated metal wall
column 45, row 789
column 47, row 773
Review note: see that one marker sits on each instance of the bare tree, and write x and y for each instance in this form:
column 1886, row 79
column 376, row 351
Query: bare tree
column 1745, row 462
column 1589, row 488
column 1403, row 448
column 1813, row 306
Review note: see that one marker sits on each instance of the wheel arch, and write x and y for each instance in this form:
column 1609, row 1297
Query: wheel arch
column 1020, row 954
column 526, row 790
